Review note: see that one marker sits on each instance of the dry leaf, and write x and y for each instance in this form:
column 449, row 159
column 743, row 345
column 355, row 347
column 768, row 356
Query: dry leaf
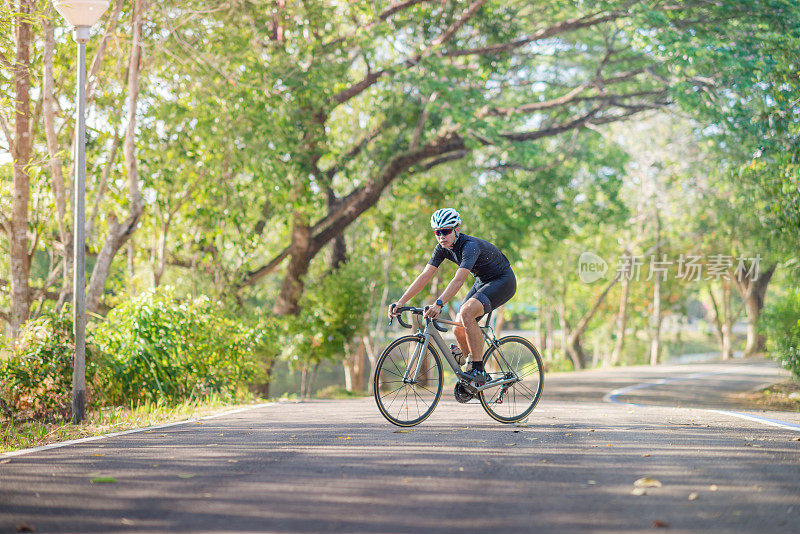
column 660, row 524
column 713, row 487
column 647, row 482
column 5, row 461
column 693, row 496
column 401, row 431
column 511, row 444
column 344, row 437
column 645, row 456
column 639, row 491
column 98, row 455
column 24, row 527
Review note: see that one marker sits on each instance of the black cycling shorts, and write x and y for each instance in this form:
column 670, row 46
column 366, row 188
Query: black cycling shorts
column 495, row 292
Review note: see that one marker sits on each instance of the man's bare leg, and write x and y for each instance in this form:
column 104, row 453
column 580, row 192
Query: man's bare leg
column 470, row 336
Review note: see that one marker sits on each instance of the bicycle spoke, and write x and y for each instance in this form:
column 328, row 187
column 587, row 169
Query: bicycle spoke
column 513, row 357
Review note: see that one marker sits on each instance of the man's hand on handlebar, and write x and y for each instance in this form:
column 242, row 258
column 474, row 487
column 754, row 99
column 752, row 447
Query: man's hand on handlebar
column 432, row 311
column 392, row 307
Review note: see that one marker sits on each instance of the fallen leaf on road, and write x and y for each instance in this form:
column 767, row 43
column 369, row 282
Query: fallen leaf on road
column 98, row 455
column 398, row 432
column 693, row 496
column 232, row 461
column 126, row 521
column 544, row 461
column 344, row 437
column 660, row 524
column 647, row 482
column 24, row 527
column 645, row 456
column 186, row 476
column 460, row 468
column 532, row 439
column 713, row 487
column 568, row 434
column 511, row 444
column 103, row 480
column 591, row 482
column 638, row 492
column 5, row 461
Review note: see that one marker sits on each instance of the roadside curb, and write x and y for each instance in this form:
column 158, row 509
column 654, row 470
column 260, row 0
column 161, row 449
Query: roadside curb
column 60, row 444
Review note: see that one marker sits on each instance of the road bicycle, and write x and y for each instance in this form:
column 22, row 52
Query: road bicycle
column 408, row 379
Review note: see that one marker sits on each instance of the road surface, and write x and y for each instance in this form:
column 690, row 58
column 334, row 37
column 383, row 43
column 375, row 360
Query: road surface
column 337, row 466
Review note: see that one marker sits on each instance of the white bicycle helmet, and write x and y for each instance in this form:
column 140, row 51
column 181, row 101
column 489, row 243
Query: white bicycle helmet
column 445, row 218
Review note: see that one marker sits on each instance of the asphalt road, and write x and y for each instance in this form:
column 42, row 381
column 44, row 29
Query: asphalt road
column 338, row 466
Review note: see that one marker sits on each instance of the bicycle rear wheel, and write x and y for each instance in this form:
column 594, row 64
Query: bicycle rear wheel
column 401, row 403
column 513, row 356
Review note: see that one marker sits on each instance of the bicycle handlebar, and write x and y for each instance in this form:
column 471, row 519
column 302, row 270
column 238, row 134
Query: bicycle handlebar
column 415, row 311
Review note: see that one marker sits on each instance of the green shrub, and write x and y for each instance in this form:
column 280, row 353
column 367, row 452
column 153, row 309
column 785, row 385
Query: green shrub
column 781, row 324
column 333, row 310
column 156, row 346
column 37, row 378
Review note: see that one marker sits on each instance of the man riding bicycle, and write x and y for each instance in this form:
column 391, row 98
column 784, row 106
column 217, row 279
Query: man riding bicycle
column 495, row 283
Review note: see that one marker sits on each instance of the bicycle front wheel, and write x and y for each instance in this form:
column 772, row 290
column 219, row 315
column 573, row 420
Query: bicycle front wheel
column 400, row 402
column 513, row 357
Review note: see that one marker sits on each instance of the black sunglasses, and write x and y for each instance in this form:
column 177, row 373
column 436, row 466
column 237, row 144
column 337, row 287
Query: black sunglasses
column 443, row 231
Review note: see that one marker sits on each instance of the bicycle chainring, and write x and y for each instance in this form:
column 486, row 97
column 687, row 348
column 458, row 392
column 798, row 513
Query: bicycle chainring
column 462, row 394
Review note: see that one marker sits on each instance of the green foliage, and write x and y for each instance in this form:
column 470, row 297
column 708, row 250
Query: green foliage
column 781, row 323
column 37, row 379
column 157, row 346
column 333, row 311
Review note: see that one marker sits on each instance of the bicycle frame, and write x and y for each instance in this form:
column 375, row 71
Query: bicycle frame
column 427, row 334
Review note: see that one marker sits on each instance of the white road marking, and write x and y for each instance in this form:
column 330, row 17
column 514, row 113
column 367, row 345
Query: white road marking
column 612, row 397
column 131, row 431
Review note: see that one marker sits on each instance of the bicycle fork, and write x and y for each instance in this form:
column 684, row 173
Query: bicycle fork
column 410, row 377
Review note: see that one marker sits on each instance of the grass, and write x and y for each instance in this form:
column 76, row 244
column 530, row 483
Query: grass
column 16, row 435
column 784, row 397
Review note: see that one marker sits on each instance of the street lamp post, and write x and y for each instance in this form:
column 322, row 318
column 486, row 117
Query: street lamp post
column 82, row 14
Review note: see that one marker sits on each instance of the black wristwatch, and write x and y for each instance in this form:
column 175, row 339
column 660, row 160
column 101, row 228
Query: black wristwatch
column 440, row 303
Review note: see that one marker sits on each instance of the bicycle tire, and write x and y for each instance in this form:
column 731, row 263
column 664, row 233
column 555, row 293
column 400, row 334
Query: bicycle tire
column 521, row 358
column 388, row 386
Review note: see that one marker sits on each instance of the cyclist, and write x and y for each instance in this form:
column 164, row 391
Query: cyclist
column 495, row 283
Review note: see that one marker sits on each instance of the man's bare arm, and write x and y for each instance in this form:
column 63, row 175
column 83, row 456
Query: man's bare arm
column 454, row 285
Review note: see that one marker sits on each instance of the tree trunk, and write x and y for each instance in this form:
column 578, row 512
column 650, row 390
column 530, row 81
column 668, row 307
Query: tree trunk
column 655, row 342
column 354, row 365
column 288, row 302
column 21, row 152
column 118, row 233
column 723, row 318
column 499, row 321
column 752, row 288
column 622, row 322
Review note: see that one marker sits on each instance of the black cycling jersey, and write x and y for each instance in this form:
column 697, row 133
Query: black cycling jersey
column 484, row 260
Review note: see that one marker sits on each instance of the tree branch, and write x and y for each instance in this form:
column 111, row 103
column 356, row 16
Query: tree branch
column 451, row 31
column 565, row 26
column 397, row 6
column 552, row 130
column 9, row 137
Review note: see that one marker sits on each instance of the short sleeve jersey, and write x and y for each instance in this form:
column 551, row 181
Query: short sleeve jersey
column 484, row 260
